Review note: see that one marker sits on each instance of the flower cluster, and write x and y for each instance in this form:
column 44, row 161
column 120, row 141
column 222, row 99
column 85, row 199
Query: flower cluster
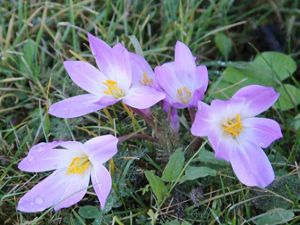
column 232, row 128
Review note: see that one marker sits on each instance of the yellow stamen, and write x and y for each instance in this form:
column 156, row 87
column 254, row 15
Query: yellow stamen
column 234, row 126
column 146, row 80
column 113, row 89
column 79, row 165
column 184, row 95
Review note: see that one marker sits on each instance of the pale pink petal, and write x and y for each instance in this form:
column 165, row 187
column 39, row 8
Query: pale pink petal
column 184, row 60
column 222, row 147
column 44, row 157
column 143, row 97
column 258, row 98
column 251, row 165
column 74, row 189
column 102, row 53
column 102, row 148
column 52, row 190
column 261, row 131
column 76, row 106
column 108, row 100
column 167, row 79
column 201, row 125
column 102, row 183
column 73, row 146
column 122, row 67
column 139, row 67
column 200, row 79
column 113, row 62
column 86, row 76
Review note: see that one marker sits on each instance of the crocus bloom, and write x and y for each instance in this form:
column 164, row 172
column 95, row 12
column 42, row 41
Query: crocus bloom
column 183, row 82
column 74, row 164
column 237, row 136
column 110, row 84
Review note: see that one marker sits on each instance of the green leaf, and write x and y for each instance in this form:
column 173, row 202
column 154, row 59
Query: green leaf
column 157, row 185
column 277, row 65
column 289, row 97
column 28, row 63
column 224, row 44
column 193, row 173
column 274, row 216
column 209, row 157
column 172, row 222
column 268, row 68
column 174, row 166
column 89, row 212
column 296, row 122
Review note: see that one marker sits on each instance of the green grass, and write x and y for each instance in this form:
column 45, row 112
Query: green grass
column 37, row 36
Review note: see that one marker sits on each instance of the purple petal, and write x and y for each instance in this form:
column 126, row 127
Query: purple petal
column 139, row 67
column 76, row 106
column 200, row 82
column 197, row 96
column 122, row 66
column 222, row 147
column 113, row 62
column 258, row 98
column 107, row 101
column 184, row 60
column 102, row 183
column 143, row 97
column 102, row 148
column 86, row 76
column 261, row 131
column 74, row 190
column 103, row 54
column 56, row 188
column 251, row 165
column 73, row 145
column 167, row 79
column 201, row 126
column 44, row 157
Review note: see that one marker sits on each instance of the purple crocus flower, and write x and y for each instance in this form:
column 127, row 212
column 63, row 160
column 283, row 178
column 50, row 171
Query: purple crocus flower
column 74, row 164
column 237, row 136
column 183, row 82
column 110, row 84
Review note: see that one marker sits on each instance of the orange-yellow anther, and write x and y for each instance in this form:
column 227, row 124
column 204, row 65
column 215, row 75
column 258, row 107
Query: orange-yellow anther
column 79, row 165
column 233, row 126
column 146, row 80
column 184, row 95
column 113, row 89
